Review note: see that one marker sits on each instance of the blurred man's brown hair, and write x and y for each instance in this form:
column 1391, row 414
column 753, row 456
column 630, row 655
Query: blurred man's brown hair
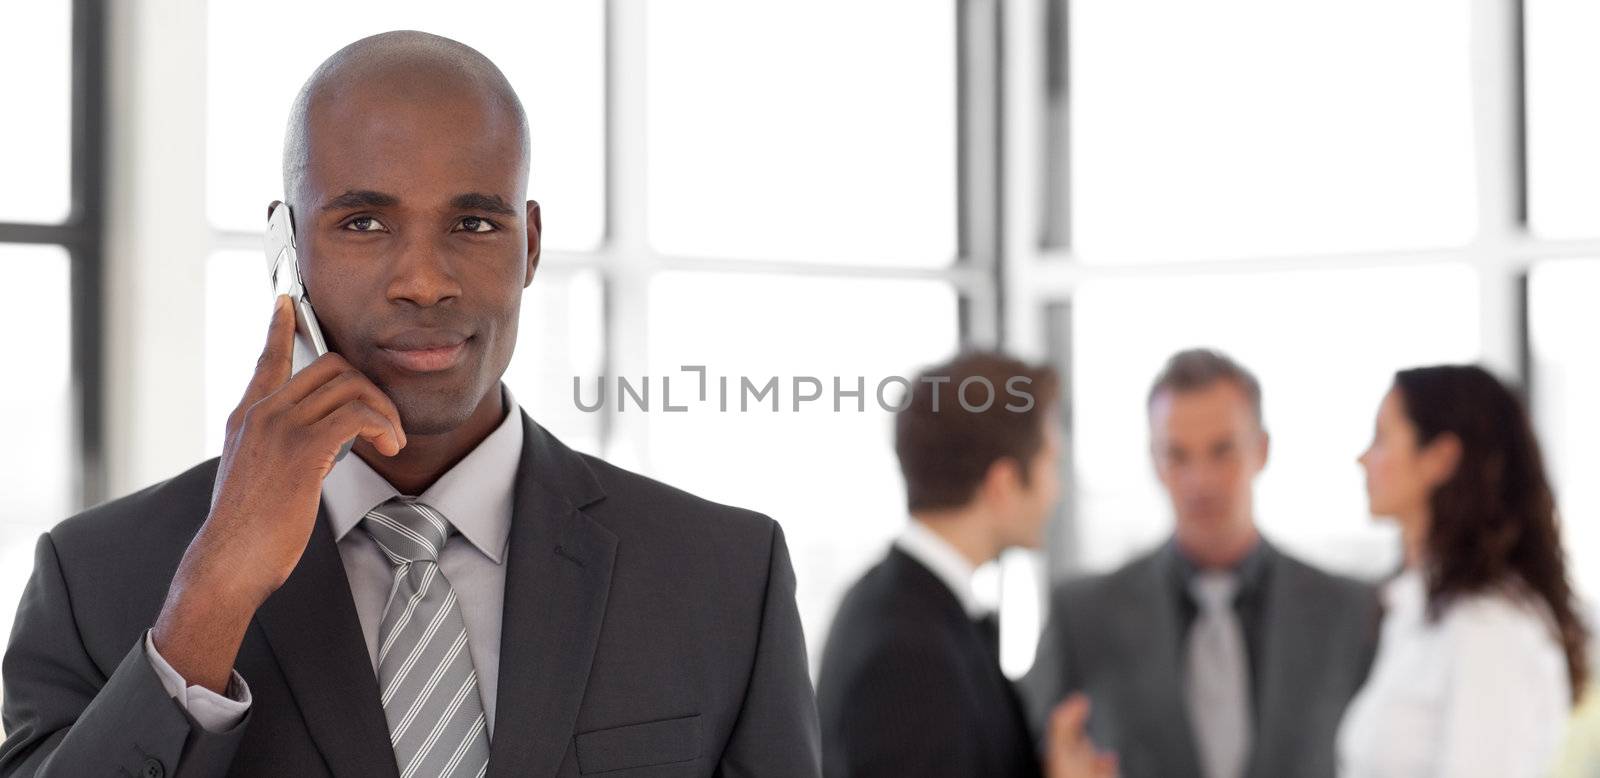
column 946, row 446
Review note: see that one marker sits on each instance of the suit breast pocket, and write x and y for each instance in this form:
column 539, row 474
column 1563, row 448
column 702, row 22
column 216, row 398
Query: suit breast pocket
column 638, row 745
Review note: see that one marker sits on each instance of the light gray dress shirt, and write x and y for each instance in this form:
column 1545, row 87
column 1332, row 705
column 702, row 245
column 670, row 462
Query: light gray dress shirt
column 474, row 495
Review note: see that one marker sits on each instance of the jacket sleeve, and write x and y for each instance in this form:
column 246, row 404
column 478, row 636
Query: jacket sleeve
column 777, row 733
column 64, row 717
column 215, row 712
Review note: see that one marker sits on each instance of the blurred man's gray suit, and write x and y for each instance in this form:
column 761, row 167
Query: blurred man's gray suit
column 646, row 632
column 1119, row 638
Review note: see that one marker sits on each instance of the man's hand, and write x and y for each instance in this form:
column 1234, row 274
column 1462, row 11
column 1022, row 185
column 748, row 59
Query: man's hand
column 281, row 443
column 1068, row 750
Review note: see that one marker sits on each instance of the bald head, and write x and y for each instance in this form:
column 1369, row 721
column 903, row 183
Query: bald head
column 405, row 67
column 406, row 165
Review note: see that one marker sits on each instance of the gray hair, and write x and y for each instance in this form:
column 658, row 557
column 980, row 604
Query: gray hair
column 1195, row 369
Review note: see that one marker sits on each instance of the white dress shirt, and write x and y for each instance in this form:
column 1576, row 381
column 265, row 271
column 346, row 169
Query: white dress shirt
column 936, row 554
column 1481, row 692
column 474, row 495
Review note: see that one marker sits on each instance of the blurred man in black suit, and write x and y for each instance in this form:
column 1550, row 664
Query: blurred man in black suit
column 911, row 682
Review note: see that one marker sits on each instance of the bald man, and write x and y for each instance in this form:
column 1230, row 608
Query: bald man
column 462, row 594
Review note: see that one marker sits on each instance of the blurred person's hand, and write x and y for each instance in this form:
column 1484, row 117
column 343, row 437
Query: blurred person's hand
column 282, row 440
column 1068, row 751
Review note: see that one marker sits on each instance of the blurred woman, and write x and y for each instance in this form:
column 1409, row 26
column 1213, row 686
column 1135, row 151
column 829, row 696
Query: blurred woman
column 1482, row 650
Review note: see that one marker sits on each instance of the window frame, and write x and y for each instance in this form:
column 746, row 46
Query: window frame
column 82, row 235
column 626, row 262
column 1015, row 273
column 1502, row 252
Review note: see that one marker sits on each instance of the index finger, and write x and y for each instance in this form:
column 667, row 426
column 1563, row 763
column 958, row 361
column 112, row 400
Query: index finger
column 1067, row 722
column 277, row 357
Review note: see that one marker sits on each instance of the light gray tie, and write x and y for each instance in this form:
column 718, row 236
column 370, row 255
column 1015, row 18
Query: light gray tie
column 1217, row 677
column 425, row 672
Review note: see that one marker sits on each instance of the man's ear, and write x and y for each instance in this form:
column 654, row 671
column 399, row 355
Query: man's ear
column 1004, row 477
column 535, row 241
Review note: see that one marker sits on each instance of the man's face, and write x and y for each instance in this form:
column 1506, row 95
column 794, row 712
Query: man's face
column 414, row 239
column 1208, row 449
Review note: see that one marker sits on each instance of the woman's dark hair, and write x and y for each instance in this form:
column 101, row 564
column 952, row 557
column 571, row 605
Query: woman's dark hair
column 1495, row 518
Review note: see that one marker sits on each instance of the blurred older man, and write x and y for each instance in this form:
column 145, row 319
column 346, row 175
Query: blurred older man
column 1216, row 655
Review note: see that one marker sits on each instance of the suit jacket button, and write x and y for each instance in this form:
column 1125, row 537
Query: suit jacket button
column 153, row 769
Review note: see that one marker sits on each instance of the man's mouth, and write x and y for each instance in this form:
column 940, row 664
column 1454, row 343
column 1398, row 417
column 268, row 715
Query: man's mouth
column 426, row 360
column 424, row 351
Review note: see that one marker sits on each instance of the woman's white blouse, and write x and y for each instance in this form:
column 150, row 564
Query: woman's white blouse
column 1481, row 692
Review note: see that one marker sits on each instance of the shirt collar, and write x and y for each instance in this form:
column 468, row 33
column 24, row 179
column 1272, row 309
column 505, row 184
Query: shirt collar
column 1250, row 571
column 948, row 565
column 474, row 495
column 1405, row 593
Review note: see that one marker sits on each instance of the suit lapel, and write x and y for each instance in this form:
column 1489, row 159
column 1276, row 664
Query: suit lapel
column 1160, row 667
column 558, row 576
column 1287, row 661
column 312, row 626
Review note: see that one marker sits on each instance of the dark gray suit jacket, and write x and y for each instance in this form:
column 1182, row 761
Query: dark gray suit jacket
column 646, row 632
column 1117, row 637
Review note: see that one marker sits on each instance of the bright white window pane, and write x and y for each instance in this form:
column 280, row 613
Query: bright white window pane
column 803, row 131
column 40, row 477
column 1563, row 117
column 17, row 542
column 238, row 309
column 1566, row 380
column 830, row 478
column 1259, row 127
column 550, row 50
column 1325, row 346
column 561, row 335
column 36, row 136
column 1021, row 607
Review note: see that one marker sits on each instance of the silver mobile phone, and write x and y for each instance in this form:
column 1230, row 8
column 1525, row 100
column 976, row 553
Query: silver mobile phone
column 283, row 268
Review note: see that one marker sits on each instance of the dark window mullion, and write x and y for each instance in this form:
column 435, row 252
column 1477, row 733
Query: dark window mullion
column 66, row 234
column 86, row 242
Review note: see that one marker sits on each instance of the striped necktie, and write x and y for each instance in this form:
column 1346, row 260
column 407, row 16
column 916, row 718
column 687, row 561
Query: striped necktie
column 425, row 673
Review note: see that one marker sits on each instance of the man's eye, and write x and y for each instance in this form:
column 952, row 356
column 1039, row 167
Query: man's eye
column 364, row 224
column 476, row 224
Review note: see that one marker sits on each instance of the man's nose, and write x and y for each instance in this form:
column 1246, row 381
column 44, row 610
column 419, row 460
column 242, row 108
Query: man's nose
column 422, row 273
column 1199, row 478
